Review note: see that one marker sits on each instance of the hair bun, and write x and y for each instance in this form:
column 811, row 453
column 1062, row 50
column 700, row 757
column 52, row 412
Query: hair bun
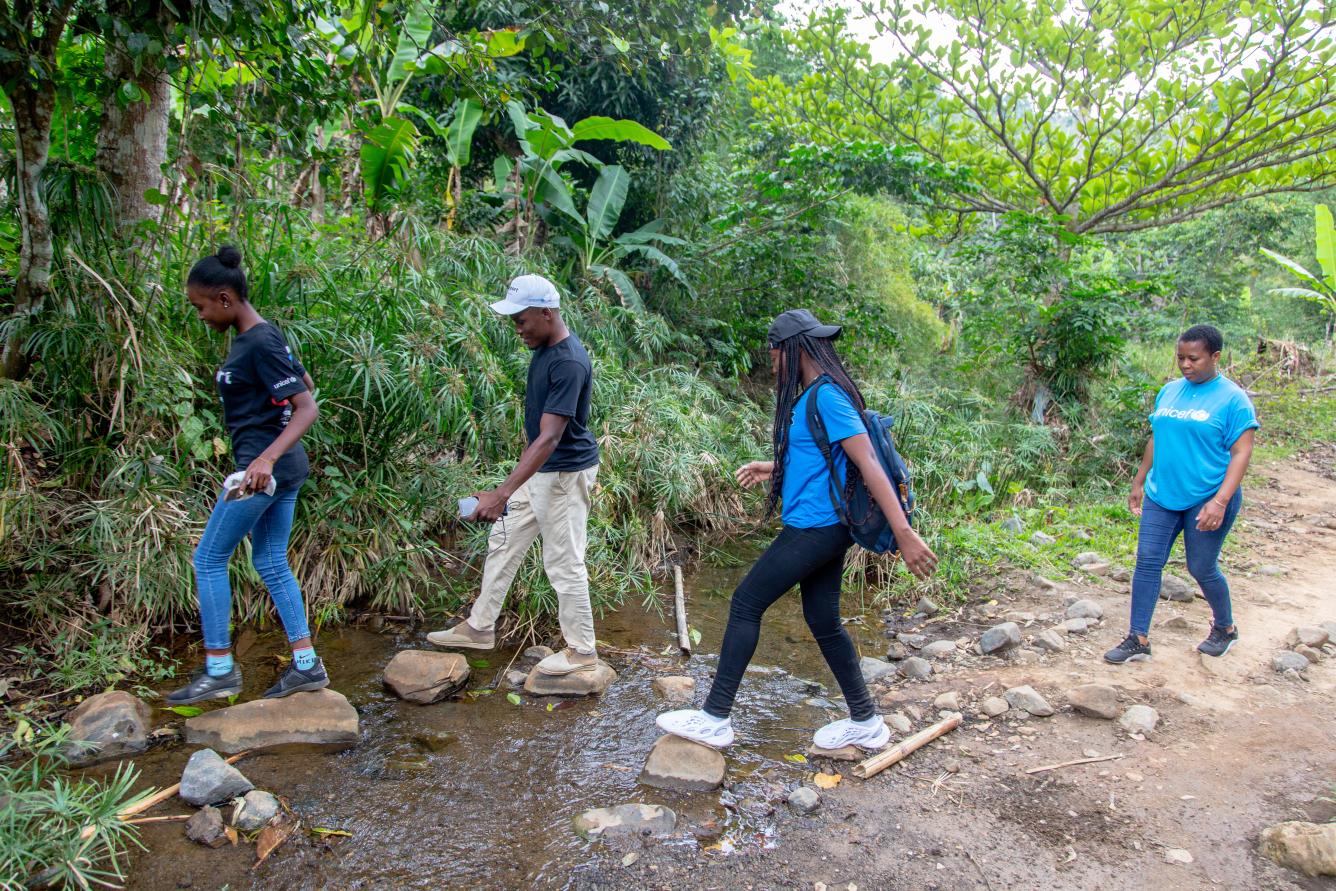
column 229, row 256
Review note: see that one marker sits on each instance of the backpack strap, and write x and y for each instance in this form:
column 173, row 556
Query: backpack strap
column 822, row 440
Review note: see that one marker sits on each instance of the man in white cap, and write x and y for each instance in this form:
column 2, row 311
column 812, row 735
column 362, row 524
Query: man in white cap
column 548, row 492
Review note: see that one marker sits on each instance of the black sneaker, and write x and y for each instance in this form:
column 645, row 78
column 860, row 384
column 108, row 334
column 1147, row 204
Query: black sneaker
column 294, row 680
column 1218, row 642
column 1130, row 650
column 206, row 686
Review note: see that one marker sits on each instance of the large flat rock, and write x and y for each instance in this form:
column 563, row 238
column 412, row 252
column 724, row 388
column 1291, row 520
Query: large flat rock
column 683, row 766
column 592, row 682
column 426, row 676
column 323, row 719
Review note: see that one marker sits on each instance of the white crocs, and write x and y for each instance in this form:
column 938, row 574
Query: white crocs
column 871, row 734
column 697, row 726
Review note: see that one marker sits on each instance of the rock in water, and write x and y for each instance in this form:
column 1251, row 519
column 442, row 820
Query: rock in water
column 1027, row 699
column 1139, row 719
column 1042, row 539
column 535, row 654
column 994, row 706
column 1308, row 636
column 916, row 668
column 1001, row 638
column 651, row 820
column 848, row 753
column 1174, row 588
column 208, row 779
column 206, row 827
column 426, row 676
column 1085, row 609
column 1288, row 660
column 1094, row 700
column 591, row 682
column 1049, row 640
column 874, row 669
column 255, row 810
column 1309, row 848
column 683, row 766
column 322, row 718
column 940, row 649
column 804, row 800
column 108, row 725
column 675, row 688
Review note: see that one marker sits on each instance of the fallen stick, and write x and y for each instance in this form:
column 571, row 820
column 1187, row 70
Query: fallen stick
column 153, row 800
column 680, row 606
column 882, row 760
column 174, row 818
column 1074, row 763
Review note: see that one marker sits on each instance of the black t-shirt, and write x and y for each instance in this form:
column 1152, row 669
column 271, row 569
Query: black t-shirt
column 561, row 381
column 255, row 384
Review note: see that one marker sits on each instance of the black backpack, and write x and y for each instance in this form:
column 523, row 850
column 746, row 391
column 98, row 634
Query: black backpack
column 862, row 515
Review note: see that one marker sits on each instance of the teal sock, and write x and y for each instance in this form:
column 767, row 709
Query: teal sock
column 217, row 666
column 304, row 658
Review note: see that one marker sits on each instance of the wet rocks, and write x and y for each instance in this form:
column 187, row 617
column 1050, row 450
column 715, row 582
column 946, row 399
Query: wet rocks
column 207, row 828
column 1085, row 609
column 535, row 654
column 1000, row 638
column 1094, row 701
column 1289, row 660
column 940, row 649
column 1308, row 636
column 1139, row 719
column 875, row 669
column 1042, row 539
column 322, row 718
column 643, row 820
column 683, row 766
column 916, row 668
column 208, row 779
column 1028, row 700
column 515, row 678
column 1049, row 641
column 108, row 725
column 1309, row 848
column 254, row 810
column 424, row 676
column 994, row 706
column 804, row 800
column 846, row 753
column 1174, row 588
column 590, row 682
column 675, row 688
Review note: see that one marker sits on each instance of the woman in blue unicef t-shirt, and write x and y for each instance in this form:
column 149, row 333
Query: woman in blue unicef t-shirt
column 809, row 551
column 1189, row 481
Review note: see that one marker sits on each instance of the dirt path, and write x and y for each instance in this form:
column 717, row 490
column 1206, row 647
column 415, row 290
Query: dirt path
column 1239, row 747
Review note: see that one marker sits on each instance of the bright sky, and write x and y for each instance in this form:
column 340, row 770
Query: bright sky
column 884, row 47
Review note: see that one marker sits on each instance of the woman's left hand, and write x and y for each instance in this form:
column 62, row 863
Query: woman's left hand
column 1210, row 516
column 258, row 474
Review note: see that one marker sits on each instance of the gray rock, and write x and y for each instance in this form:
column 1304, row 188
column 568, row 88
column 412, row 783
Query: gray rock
column 1027, row 699
column 940, row 649
column 1042, row 539
column 426, row 676
column 1049, row 640
column 804, row 799
column 590, row 682
column 896, row 651
column 683, row 766
column 515, row 678
column 1100, row 569
column 994, row 706
column 915, row 641
column 1094, row 701
column 1174, row 588
column 950, row 701
column 1309, row 848
column 1271, row 570
column 1077, row 626
column 652, row 820
column 1330, row 628
column 1085, row 609
column 1121, row 574
column 1013, row 525
column 1312, row 654
column 1177, row 623
column 206, row 827
column 927, row 606
column 675, row 688
column 535, row 654
column 875, row 669
column 1308, row 636
column 899, row 722
column 323, row 719
column 916, row 668
column 107, row 725
column 1139, row 719
column 1181, row 856
column 1289, row 660
column 1000, row 638
column 1082, row 535
column 254, row 810
column 208, row 779
column 1042, row 583
column 1086, row 558
column 847, row 753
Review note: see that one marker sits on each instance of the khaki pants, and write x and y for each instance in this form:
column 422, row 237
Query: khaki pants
column 554, row 506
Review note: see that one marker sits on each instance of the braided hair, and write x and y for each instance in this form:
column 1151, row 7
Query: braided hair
column 788, row 389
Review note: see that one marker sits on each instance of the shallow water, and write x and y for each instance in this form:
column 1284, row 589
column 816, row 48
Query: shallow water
column 479, row 792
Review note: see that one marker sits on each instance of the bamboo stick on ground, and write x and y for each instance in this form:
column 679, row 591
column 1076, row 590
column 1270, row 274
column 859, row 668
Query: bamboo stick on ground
column 877, row 763
column 1074, row 763
column 680, row 607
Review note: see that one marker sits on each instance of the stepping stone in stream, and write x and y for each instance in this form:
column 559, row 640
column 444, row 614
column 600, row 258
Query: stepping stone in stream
column 323, row 719
column 426, row 676
column 683, row 766
column 590, row 682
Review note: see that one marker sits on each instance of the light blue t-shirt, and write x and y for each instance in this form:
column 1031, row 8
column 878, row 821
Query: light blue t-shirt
column 1194, row 427
column 806, row 491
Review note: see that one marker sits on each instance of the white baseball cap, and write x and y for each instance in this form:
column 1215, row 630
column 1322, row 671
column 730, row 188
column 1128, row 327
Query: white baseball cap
column 527, row 292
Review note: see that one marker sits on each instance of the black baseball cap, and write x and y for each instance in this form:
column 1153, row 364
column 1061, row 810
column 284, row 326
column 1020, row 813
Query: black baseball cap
column 798, row 321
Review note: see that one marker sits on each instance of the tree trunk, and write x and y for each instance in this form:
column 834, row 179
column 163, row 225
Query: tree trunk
column 33, row 105
column 132, row 139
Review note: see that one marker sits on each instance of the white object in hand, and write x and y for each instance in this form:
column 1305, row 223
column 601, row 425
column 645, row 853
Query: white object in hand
column 233, row 487
column 467, row 506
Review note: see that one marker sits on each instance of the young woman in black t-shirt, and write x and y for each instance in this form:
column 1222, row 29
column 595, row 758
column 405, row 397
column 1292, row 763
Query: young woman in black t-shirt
column 267, row 407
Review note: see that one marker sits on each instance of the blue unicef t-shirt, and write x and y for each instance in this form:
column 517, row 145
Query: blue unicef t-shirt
column 806, row 491
column 1194, row 426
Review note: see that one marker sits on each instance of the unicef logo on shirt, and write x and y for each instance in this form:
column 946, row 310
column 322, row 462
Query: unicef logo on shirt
column 1187, row 414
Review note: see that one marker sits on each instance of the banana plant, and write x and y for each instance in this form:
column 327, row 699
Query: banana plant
column 1322, row 283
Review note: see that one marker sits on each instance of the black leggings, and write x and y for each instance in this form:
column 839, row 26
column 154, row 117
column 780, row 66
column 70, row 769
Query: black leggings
column 813, row 559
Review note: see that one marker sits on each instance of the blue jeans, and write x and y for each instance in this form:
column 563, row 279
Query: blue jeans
column 1159, row 529
column 268, row 520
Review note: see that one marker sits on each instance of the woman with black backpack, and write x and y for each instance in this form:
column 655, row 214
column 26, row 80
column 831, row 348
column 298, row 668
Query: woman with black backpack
column 809, row 552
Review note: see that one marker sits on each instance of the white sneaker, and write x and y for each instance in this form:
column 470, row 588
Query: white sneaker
column 871, row 734
column 697, row 726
